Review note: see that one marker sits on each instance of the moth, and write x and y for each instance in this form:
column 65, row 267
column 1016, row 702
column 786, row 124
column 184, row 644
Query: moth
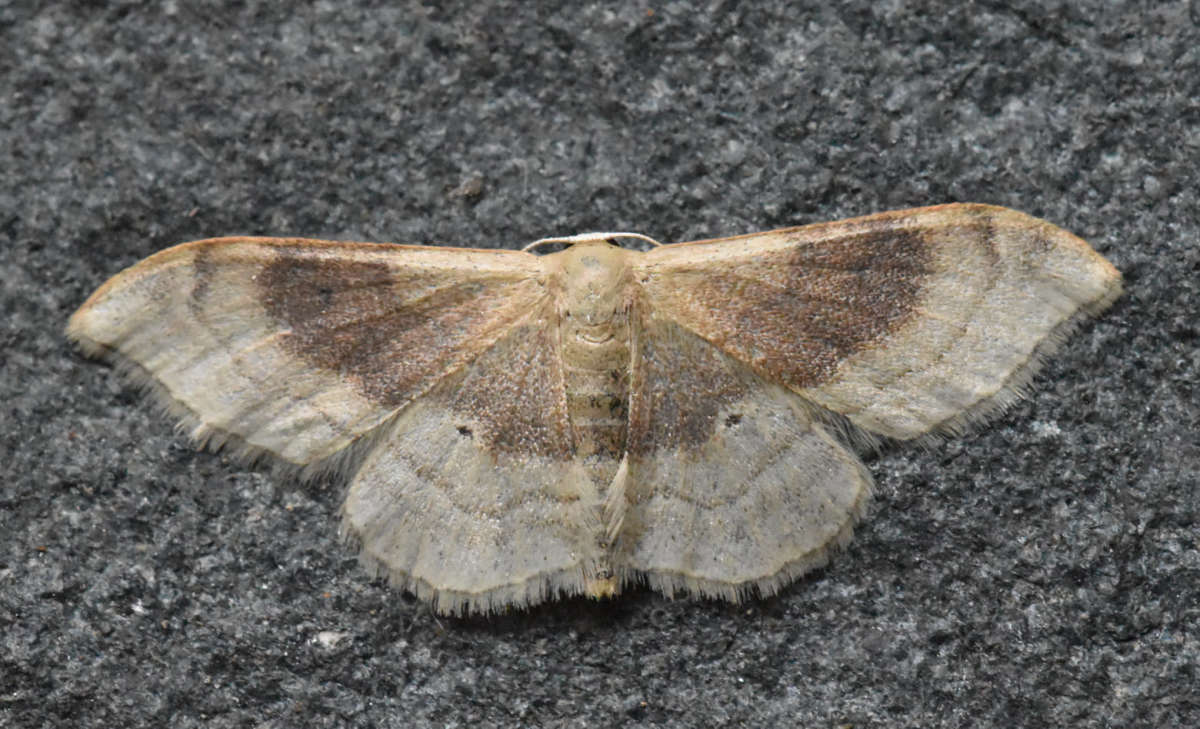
column 518, row 427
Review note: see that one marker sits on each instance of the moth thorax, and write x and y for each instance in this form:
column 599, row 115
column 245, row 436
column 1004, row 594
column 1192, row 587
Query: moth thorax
column 595, row 281
column 595, row 291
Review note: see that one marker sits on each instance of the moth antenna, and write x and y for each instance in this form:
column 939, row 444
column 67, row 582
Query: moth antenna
column 585, row 237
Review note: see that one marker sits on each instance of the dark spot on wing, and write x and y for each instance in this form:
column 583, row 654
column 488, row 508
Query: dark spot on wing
column 514, row 395
column 680, row 384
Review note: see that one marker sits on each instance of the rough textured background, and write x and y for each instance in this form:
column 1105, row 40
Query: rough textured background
column 1041, row 572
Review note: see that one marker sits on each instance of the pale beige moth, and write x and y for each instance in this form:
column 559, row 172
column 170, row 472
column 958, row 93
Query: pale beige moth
column 517, row 427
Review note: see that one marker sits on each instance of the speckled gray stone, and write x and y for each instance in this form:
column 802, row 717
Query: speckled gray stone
column 1041, row 572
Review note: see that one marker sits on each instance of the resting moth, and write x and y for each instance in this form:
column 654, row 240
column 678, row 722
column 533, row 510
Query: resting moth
column 517, row 426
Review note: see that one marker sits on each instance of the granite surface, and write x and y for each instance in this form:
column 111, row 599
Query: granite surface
column 1041, row 571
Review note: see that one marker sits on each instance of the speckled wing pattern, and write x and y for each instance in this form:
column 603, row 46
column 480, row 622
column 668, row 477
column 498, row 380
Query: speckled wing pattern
column 473, row 498
column 298, row 348
column 907, row 323
column 733, row 485
column 757, row 350
column 519, row 427
column 421, row 370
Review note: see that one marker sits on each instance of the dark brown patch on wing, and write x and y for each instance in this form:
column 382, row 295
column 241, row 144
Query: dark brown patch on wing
column 390, row 333
column 204, row 272
column 514, row 393
column 793, row 315
column 680, row 385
